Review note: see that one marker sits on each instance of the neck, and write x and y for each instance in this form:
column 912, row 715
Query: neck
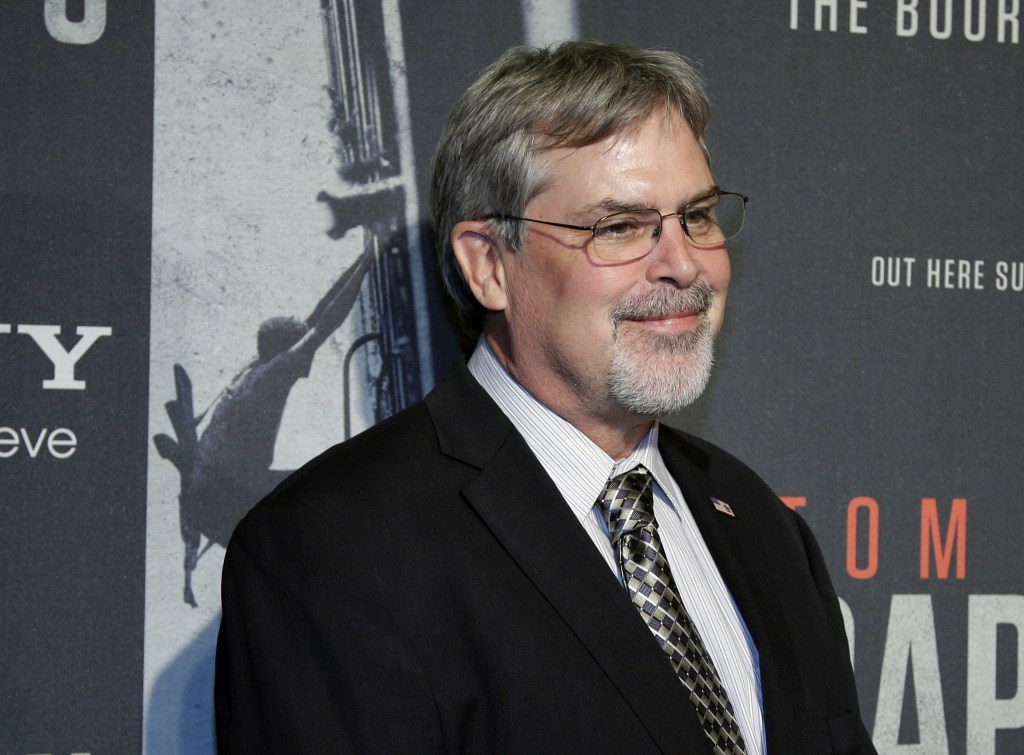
column 616, row 441
column 608, row 426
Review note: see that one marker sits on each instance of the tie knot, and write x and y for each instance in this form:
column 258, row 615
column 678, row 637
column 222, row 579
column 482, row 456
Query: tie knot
column 628, row 502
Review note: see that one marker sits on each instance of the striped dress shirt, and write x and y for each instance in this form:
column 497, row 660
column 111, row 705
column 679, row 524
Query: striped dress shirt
column 580, row 470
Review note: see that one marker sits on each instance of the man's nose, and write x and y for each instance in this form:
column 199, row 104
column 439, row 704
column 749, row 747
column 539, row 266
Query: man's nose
column 675, row 258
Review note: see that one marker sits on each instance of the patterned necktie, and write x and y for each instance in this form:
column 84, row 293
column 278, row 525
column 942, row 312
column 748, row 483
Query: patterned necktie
column 628, row 507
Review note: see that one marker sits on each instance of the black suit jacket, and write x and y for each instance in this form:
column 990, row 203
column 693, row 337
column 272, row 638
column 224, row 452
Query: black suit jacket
column 423, row 587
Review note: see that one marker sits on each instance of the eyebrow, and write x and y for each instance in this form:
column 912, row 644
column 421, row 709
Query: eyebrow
column 708, row 192
column 610, row 205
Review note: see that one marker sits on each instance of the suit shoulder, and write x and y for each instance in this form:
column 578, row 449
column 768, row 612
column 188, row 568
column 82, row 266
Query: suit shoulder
column 372, row 460
column 719, row 463
column 730, row 479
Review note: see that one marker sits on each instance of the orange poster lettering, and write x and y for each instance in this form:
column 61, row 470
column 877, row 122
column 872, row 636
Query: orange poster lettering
column 868, row 571
column 956, row 534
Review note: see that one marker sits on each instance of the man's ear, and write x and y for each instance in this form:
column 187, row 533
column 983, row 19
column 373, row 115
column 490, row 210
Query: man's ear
column 478, row 258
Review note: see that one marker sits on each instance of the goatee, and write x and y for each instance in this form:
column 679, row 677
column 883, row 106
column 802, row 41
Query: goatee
column 653, row 374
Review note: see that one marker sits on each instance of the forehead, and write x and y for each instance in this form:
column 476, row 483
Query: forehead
column 659, row 163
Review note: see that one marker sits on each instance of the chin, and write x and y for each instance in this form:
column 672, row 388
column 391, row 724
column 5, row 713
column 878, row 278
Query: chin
column 654, row 380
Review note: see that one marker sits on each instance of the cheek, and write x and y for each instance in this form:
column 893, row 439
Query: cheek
column 563, row 299
column 718, row 274
column 589, row 302
column 718, row 313
column 539, row 302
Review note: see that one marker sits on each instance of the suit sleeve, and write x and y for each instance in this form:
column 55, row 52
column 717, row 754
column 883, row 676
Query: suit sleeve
column 847, row 729
column 307, row 658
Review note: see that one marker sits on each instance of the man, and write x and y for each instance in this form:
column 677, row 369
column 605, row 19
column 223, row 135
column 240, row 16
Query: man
column 527, row 561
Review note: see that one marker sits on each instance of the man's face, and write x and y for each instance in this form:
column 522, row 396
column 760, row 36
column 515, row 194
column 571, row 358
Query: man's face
column 606, row 342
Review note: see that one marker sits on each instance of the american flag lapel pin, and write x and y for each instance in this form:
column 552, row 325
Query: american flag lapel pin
column 723, row 508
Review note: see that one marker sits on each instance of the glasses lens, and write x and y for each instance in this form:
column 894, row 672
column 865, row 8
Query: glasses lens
column 714, row 220
column 626, row 235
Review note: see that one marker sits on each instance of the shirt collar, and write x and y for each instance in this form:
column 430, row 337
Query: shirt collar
column 577, row 466
column 649, row 455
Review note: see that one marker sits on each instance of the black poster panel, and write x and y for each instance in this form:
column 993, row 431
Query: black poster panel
column 446, row 58
column 76, row 99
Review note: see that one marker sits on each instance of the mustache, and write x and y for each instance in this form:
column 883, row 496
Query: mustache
column 662, row 302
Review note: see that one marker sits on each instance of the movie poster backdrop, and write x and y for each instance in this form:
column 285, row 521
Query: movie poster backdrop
column 216, row 261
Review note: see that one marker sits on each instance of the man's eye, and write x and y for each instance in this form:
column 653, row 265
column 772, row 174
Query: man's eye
column 699, row 217
column 619, row 228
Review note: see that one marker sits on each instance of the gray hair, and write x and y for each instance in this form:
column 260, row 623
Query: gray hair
column 536, row 99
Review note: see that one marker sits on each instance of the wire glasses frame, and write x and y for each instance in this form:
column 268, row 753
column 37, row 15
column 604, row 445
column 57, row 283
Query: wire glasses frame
column 629, row 235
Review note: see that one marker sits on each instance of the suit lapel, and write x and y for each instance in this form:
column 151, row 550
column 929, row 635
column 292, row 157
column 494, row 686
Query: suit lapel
column 738, row 548
column 525, row 512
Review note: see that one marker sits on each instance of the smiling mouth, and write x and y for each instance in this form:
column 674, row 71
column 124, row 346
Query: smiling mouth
column 671, row 325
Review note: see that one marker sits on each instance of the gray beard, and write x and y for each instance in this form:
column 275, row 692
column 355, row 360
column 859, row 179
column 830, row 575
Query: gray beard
column 654, row 375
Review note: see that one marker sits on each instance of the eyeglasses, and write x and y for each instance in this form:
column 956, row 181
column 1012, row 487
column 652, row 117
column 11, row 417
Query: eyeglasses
column 630, row 235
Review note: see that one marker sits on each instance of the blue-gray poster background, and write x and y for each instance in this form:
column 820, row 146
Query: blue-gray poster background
column 75, row 204
column 868, row 365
